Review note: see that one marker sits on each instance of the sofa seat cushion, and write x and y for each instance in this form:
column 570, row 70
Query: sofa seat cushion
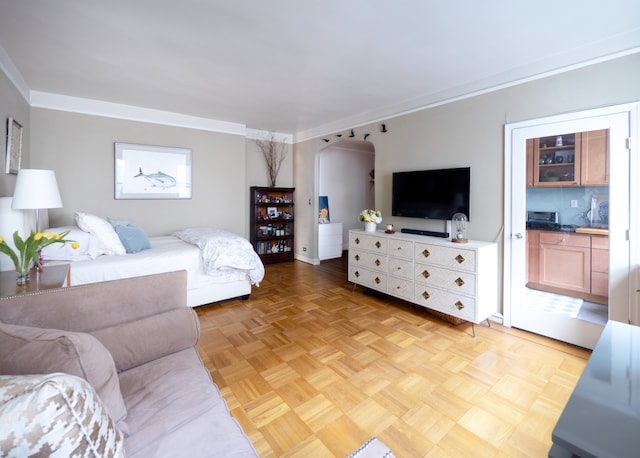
column 27, row 350
column 176, row 410
column 57, row 415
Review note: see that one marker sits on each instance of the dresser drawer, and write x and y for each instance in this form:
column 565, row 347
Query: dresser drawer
column 401, row 268
column 368, row 278
column 456, row 281
column 446, row 302
column 400, row 249
column 400, row 287
column 452, row 257
column 366, row 260
column 368, row 242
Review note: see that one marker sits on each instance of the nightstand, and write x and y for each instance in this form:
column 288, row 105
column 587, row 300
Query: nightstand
column 51, row 277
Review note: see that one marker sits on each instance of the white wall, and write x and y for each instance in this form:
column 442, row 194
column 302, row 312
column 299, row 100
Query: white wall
column 14, row 105
column 470, row 132
column 344, row 177
column 80, row 148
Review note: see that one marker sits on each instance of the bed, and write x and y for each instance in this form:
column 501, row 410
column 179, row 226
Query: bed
column 220, row 265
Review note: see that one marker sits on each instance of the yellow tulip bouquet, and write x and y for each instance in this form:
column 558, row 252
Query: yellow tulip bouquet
column 28, row 250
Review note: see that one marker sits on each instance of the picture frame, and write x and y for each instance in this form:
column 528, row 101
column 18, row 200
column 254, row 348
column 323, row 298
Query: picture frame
column 13, row 156
column 152, row 172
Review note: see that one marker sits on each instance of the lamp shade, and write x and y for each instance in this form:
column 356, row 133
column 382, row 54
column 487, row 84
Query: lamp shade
column 36, row 189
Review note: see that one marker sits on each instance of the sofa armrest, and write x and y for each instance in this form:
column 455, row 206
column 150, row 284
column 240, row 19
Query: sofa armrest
column 87, row 308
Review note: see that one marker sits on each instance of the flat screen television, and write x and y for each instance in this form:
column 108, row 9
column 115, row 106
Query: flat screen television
column 431, row 194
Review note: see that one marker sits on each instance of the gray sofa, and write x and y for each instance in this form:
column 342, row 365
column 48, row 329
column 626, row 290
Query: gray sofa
column 133, row 341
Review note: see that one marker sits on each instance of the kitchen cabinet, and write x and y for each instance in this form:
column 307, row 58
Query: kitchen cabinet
column 566, row 263
column 533, row 256
column 576, row 159
column 600, row 265
column 594, row 165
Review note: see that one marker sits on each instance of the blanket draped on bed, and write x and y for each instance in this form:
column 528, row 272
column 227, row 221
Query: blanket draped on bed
column 224, row 250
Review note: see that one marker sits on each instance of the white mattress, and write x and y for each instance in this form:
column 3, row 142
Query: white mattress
column 167, row 253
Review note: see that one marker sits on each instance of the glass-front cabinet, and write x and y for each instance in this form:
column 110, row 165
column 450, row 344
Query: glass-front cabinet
column 569, row 159
column 272, row 223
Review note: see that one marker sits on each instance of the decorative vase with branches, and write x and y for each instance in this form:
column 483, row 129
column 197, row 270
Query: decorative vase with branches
column 274, row 154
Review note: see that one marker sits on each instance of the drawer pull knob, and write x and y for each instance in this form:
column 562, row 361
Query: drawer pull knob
column 460, row 259
column 459, row 305
column 377, row 280
column 357, row 257
column 378, row 244
column 377, row 263
column 357, row 274
column 459, row 281
column 398, row 248
column 425, row 295
column 357, row 240
column 426, row 274
column 399, row 268
column 425, row 253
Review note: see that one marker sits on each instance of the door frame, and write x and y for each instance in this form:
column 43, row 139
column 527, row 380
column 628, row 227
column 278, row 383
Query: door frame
column 631, row 110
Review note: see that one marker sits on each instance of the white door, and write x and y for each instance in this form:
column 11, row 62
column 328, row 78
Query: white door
column 579, row 332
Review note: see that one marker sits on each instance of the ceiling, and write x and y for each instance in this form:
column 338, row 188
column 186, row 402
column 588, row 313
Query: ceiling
column 301, row 67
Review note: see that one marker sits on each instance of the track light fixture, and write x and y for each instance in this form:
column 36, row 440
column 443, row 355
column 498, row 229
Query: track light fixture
column 384, row 128
column 352, row 134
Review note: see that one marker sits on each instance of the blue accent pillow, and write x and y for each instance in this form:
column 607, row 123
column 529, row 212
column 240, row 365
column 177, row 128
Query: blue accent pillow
column 133, row 238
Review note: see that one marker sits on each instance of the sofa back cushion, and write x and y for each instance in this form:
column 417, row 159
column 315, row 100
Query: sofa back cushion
column 28, row 350
column 55, row 415
column 146, row 339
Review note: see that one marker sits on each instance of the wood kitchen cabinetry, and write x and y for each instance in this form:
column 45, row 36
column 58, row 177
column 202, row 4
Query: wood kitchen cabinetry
column 568, row 263
column 576, row 159
column 565, row 261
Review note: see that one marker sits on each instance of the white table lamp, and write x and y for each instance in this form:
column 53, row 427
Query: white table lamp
column 36, row 189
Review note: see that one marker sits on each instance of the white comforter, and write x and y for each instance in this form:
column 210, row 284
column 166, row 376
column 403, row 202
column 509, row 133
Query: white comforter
column 222, row 250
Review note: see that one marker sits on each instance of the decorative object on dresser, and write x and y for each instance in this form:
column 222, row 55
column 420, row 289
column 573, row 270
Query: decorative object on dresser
column 371, row 219
column 272, row 223
column 459, row 228
column 431, row 272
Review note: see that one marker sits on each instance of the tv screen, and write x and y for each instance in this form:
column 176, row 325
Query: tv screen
column 432, row 194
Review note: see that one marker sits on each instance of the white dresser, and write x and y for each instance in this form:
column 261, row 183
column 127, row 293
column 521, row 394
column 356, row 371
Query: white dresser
column 329, row 241
column 460, row 280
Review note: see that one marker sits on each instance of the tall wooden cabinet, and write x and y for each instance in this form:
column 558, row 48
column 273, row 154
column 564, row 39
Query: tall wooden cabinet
column 271, row 222
column 576, row 159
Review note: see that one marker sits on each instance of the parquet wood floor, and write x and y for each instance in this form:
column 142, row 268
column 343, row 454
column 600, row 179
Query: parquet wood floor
column 310, row 367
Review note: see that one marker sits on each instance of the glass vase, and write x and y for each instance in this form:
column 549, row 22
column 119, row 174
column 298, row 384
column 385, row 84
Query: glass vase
column 23, row 269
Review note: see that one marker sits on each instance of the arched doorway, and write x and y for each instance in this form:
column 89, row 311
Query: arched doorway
column 346, row 177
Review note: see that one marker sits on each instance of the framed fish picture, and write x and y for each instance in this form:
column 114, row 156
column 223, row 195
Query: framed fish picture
column 152, row 172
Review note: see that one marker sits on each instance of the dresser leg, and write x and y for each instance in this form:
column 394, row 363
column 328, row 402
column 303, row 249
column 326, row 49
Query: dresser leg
column 488, row 322
column 473, row 330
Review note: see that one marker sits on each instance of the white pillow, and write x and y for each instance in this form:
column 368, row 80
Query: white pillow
column 109, row 241
column 88, row 249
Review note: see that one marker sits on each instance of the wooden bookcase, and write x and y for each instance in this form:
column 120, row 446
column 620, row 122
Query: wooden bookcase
column 272, row 223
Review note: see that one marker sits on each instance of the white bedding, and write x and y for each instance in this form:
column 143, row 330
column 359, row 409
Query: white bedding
column 167, row 253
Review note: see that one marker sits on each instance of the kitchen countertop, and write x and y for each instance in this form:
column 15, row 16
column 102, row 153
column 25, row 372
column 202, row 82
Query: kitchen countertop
column 602, row 416
column 571, row 228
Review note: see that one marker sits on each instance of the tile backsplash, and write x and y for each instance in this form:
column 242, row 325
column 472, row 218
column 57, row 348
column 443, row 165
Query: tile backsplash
column 559, row 199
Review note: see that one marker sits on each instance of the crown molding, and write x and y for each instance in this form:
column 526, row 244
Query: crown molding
column 14, row 75
column 279, row 137
column 131, row 113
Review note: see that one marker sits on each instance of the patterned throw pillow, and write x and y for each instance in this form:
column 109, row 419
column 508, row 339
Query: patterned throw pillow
column 55, row 415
